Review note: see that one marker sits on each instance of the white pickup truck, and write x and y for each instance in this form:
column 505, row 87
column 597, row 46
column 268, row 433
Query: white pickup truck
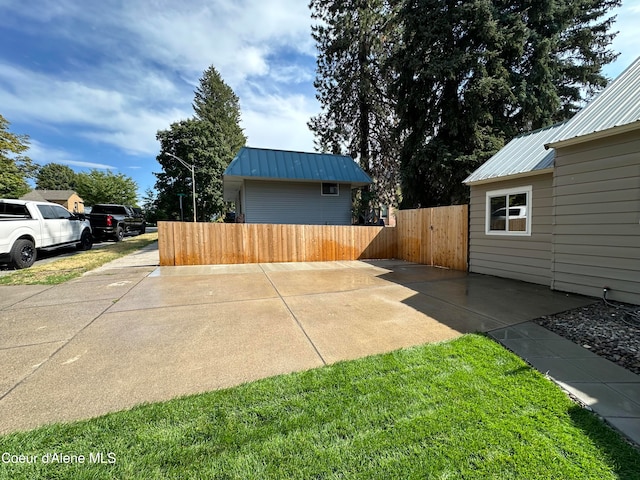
column 26, row 227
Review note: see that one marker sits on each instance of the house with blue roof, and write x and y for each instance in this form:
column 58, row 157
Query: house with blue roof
column 561, row 206
column 285, row 187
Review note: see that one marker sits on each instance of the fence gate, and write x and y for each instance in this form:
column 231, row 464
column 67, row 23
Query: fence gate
column 434, row 236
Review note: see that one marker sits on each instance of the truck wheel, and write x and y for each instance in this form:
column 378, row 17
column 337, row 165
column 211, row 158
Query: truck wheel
column 143, row 229
column 23, row 253
column 86, row 241
column 119, row 234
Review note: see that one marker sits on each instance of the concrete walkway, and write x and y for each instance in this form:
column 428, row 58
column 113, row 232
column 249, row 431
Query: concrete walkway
column 132, row 332
column 603, row 386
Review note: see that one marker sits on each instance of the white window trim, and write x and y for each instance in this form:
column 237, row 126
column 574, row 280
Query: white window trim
column 528, row 190
column 330, row 194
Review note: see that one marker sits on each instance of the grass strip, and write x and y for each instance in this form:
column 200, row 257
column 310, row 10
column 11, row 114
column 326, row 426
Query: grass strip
column 460, row 409
column 67, row 268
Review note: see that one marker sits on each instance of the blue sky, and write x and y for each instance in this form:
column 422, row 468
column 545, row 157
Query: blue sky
column 92, row 82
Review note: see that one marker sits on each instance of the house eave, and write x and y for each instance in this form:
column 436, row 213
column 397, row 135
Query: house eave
column 515, row 176
column 609, row 132
column 240, row 178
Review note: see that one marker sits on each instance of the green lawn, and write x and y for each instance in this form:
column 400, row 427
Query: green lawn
column 67, row 268
column 461, row 409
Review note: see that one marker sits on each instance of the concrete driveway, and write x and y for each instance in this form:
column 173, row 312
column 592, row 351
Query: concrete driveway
column 133, row 332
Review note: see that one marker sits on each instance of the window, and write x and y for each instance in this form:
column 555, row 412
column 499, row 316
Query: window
column 109, row 209
column 47, row 212
column 14, row 210
column 60, row 212
column 330, row 189
column 509, row 212
column 53, row 212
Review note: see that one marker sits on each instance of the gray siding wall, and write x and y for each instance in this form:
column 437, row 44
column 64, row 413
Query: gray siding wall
column 526, row 258
column 295, row 203
column 596, row 237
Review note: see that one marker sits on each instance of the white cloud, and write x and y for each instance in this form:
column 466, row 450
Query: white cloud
column 43, row 154
column 634, row 8
column 279, row 122
column 147, row 51
column 291, row 74
column 237, row 37
column 98, row 113
column 99, row 166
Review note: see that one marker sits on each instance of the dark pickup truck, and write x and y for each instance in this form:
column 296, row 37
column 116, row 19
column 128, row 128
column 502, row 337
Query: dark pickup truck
column 115, row 221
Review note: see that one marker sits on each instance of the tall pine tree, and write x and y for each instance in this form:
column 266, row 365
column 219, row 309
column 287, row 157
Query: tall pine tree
column 450, row 77
column 209, row 141
column 471, row 75
column 354, row 39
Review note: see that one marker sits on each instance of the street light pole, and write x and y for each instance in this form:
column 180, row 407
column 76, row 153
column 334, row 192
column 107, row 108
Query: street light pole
column 193, row 179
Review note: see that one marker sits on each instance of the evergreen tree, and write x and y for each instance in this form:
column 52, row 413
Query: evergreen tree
column 354, row 39
column 15, row 167
column 450, row 76
column 216, row 103
column 150, row 206
column 559, row 58
column 471, row 75
column 54, row 176
column 209, row 141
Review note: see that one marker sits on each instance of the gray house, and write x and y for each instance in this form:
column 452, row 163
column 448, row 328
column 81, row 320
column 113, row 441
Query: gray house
column 561, row 206
column 276, row 186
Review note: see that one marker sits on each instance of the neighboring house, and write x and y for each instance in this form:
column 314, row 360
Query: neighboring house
column 572, row 192
column 276, row 186
column 67, row 198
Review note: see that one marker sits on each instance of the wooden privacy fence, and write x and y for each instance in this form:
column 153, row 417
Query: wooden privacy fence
column 433, row 236
column 212, row 243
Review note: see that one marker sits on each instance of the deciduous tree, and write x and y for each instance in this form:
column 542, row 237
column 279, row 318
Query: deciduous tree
column 150, row 206
column 99, row 186
column 54, row 176
column 15, row 167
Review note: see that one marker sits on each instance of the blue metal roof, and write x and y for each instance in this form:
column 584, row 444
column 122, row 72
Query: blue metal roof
column 264, row 164
column 524, row 154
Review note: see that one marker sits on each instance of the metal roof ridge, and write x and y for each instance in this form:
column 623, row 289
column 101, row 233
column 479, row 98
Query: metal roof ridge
column 607, row 110
column 538, row 130
column 295, row 151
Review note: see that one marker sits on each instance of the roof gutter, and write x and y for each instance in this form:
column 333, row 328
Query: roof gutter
column 629, row 127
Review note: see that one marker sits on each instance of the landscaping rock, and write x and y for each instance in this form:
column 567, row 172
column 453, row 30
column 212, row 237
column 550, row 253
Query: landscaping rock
column 608, row 329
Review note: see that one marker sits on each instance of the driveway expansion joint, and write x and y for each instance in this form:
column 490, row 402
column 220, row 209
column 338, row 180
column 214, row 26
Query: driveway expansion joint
column 60, row 348
column 313, row 345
